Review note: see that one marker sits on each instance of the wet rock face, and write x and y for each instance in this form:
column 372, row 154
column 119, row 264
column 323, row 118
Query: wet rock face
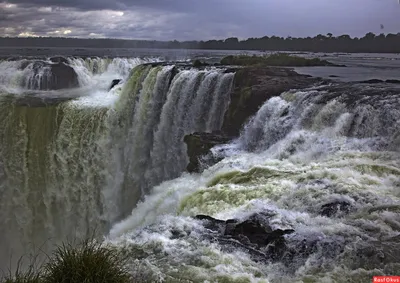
column 59, row 59
column 335, row 208
column 62, row 76
column 254, row 234
column 255, row 85
column 198, row 149
column 264, row 242
column 378, row 81
column 114, row 83
column 51, row 76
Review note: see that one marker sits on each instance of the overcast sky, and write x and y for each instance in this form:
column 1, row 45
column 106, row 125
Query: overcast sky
column 196, row 19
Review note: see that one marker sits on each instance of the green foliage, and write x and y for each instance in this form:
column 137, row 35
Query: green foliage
column 279, row 59
column 320, row 43
column 30, row 275
column 89, row 262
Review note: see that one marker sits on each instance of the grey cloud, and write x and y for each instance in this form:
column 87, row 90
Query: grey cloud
column 89, row 5
column 84, row 5
column 192, row 19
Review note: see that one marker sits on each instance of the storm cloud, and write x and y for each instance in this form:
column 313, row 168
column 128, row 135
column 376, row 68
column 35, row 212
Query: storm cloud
column 196, row 20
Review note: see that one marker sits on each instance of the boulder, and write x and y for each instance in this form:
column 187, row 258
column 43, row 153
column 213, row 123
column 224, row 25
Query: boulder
column 114, row 83
column 198, row 149
column 264, row 242
column 255, row 234
column 372, row 81
column 59, row 59
column 335, row 208
column 197, row 63
column 62, row 76
column 50, row 76
column 393, row 81
column 378, row 81
column 255, row 85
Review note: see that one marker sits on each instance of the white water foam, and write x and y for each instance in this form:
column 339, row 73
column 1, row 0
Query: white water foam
column 308, row 155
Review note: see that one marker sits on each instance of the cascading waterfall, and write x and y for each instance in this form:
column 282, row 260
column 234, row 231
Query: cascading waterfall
column 342, row 117
column 43, row 74
column 304, row 153
column 67, row 169
column 25, row 74
column 323, row 162
column 161, row 118
column 94, row 71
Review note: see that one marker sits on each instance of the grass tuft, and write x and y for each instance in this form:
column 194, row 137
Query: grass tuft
column 89, row 262
column 30, row 275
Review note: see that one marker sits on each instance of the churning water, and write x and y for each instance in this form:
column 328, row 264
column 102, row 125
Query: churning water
column 302, row 151
column 113, row 161
column 68, row 168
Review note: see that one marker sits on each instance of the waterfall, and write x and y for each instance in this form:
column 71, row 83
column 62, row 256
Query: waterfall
column 25, row 74
column 69, row 168
column 60, row 72
column 339, row 117
column 323, row 162
column 94, row 71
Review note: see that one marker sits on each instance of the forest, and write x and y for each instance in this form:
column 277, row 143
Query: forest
column 370, row 43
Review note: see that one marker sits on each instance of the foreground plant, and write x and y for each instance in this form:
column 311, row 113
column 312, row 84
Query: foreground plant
column 30, row 275
column 89, row 262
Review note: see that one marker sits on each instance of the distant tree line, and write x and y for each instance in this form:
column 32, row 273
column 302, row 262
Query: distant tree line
column 389, row 43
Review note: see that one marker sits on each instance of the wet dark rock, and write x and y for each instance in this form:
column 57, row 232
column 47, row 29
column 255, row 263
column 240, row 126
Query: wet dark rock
column 197, row 63
column 230, row 70
column 265, row 242
column 50, row 76
column 174, row 72
column 378, row 81
column 254, row 234
column 257, row 231
column 393, row 81
column 372, row 81
column 212, row 223
column 255, row 85
column 114, row 83
column 334, row 76
column 198, row 149
column 335, row 208
column 62, row 76
column 59, row 59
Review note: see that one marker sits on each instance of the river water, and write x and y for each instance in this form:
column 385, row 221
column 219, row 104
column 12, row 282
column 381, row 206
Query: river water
column 90, row 158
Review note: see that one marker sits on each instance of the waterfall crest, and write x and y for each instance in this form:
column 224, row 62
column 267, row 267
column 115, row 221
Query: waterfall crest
column 85, row 163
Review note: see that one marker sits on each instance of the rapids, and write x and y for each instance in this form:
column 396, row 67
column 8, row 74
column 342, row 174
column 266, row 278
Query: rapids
column 89, row 159
column 302, row 151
